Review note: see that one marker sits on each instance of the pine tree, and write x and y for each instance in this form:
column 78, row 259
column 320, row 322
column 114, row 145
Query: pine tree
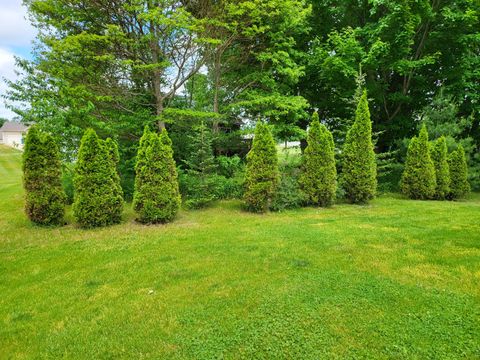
column 201, row 166
column 45, row 198
column 319, row 174
column 157, row 197
column 359, row 164
column 201, row 159
column 418, row 179
column 98, row 196
column 261, row 178
column 439, row 154
column 459, row 185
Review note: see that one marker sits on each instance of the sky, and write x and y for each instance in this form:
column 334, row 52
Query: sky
column 16, row 35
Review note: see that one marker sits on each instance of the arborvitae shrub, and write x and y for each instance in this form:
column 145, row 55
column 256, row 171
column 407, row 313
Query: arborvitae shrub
column 157, row 197
column 439, row 154
column 261, row 177
column 418, row 179
column 45, row 198
column 359, row 178
column 319, row 174
column 114, row 157
column 98, row 197
column 459, row 185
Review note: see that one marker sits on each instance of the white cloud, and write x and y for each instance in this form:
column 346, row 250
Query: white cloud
column 7, row 70
column 15, row 29
column 16, row 35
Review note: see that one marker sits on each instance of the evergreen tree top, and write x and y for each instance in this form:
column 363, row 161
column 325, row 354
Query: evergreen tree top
column 165, row 139
column 112, row 149
column 362, row 114
column 423, row 136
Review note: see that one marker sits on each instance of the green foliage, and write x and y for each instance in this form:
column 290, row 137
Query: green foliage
column 406, row 48
column 418, row 179
column 359, row 178
column 261, row 178
column 201, row 160
column 228, row 166
column 44, row 195
column 439, row 155
column 98, row 197
column 319, row 173
column 289, row 194
column 459, row 185
column 442, row 118
column 157, row 197
column 68, row 172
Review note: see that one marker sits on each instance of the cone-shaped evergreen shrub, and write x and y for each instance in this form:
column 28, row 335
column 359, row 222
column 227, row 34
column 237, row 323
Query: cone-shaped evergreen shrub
column 459, row 186
column 145, row 142
column 418, row 179
column 359, row 165
column 319, row 174
column 114, row 157
column 261, row 177
column 439, row 154
column 98, row 196
column 45, row 198
column 157, row 197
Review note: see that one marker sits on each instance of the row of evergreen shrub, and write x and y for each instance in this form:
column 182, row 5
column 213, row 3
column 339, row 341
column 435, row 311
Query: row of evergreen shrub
column 98, row 197
column 318, row 178
column 431, row 173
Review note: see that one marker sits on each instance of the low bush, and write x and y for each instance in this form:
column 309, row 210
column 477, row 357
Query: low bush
column 228, row 166
column 201, row 192
column 289, row 194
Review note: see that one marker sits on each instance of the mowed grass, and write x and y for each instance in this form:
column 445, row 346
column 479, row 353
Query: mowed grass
column 396, row 279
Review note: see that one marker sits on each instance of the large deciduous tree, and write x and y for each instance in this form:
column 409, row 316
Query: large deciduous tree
column 405, row 49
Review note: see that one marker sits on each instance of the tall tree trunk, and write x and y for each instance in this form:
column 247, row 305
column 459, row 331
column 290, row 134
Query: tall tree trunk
column 218, row 55
column 156, row 73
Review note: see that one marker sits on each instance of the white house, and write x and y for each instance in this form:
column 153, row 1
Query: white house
column 12, row 134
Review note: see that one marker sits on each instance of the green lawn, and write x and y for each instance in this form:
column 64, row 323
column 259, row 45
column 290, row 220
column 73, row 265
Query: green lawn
column 397, row 279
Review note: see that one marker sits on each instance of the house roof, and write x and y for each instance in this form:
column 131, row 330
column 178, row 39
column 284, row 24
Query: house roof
column 13, row 126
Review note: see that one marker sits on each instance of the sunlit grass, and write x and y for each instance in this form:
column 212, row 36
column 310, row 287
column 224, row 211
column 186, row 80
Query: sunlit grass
column 395, row 279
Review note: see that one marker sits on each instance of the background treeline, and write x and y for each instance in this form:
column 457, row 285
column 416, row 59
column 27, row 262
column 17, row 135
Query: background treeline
column 207, row 70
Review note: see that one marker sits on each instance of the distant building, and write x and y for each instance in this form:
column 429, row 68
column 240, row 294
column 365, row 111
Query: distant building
column 12, row 134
